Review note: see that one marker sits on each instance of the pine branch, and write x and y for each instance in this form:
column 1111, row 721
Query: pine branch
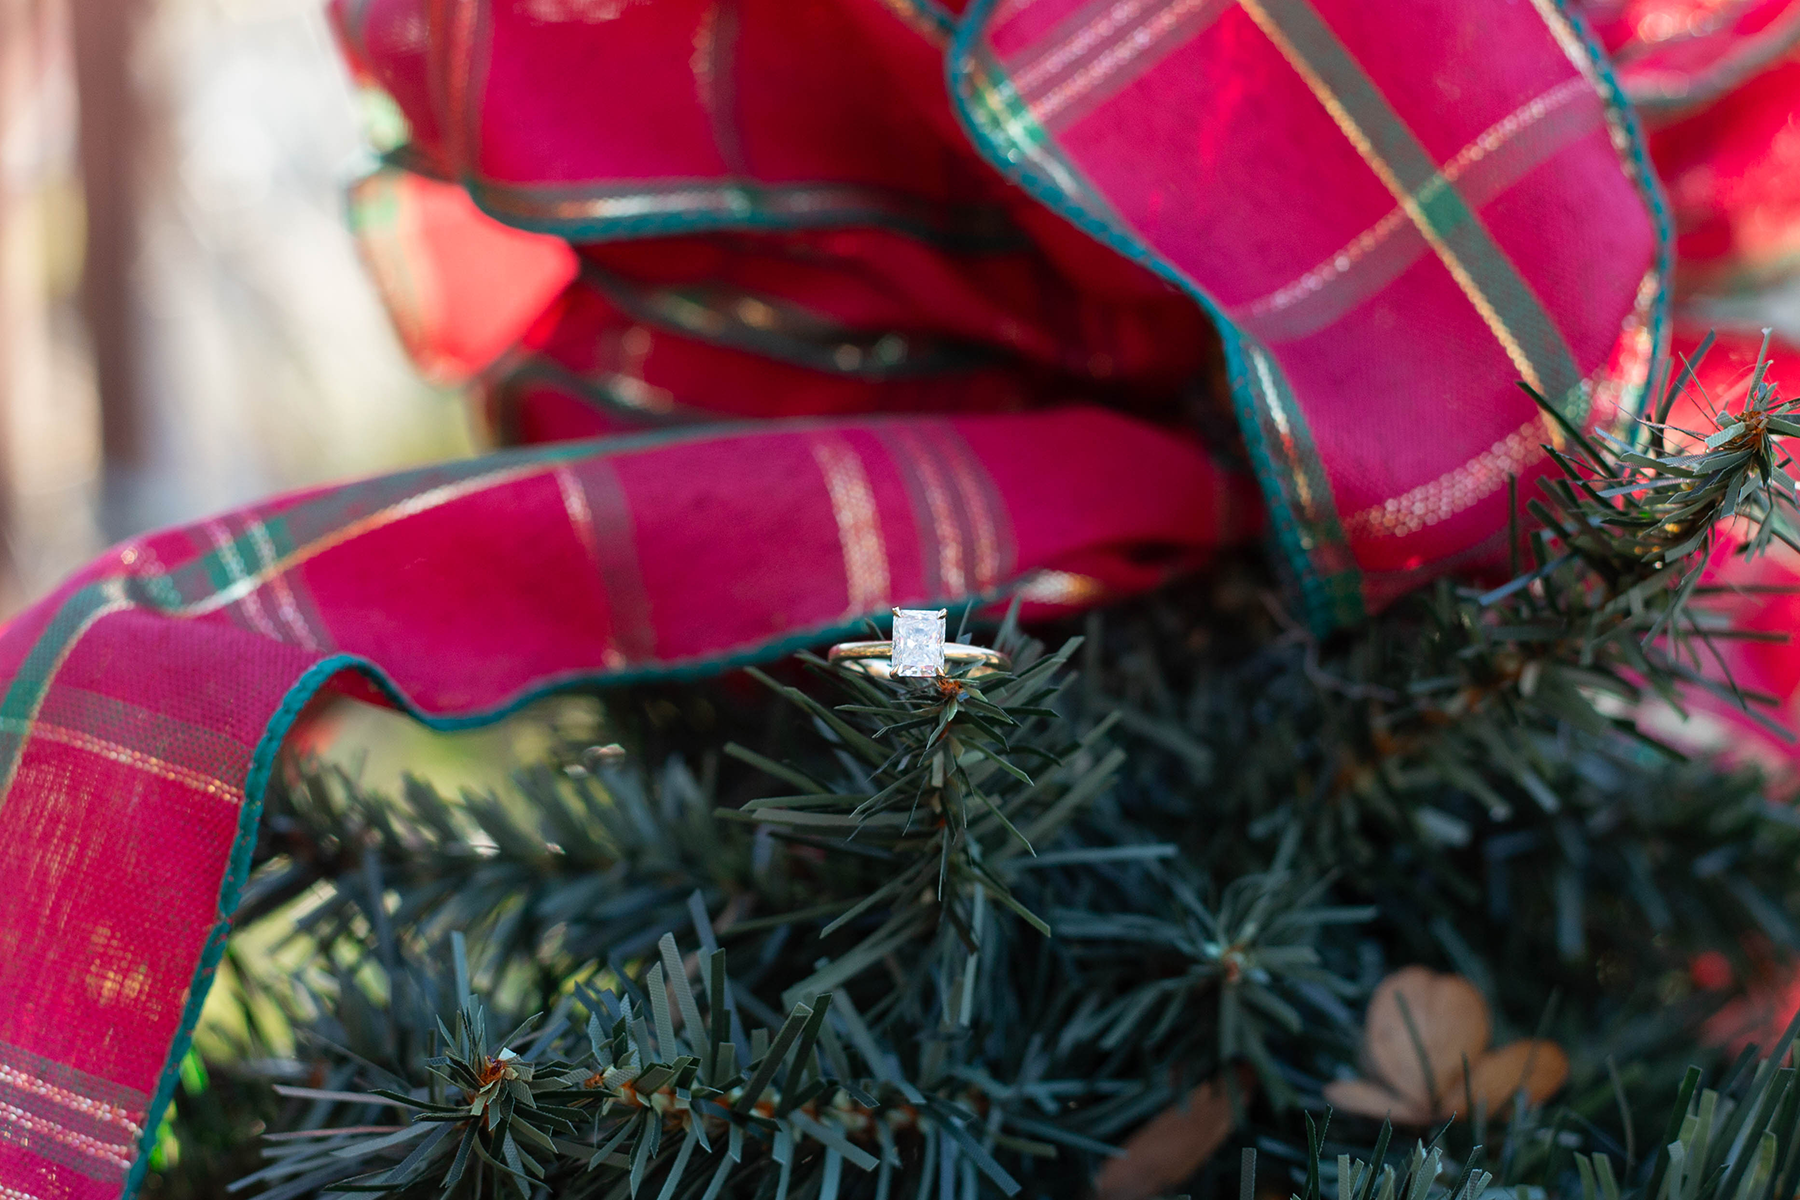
column 956, row 933
column 574, row 866
column 1045, row 913
column 1628, row 534
column 938, row 790
column 649, row 1093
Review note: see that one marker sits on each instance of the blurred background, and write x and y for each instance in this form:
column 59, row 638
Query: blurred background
column 184, row 321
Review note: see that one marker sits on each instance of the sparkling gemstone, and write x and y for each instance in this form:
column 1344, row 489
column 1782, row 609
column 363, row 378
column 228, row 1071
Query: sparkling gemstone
column 919, row 641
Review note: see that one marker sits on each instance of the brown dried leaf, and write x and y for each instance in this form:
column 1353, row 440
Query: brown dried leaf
column 1451, row 1019
column 1367, row 1099
column 1170, row 1147
column 1539, row 1067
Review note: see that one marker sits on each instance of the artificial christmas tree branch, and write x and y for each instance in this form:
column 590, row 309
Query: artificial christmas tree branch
column 1051, row 906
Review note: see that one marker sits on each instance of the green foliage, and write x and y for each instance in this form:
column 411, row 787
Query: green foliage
column 944, row 1017
column 1472, row 763
column 1247, row 970
column 1737, row 1141
column 572, row 869
column 933, row 793
column 981, row 929
column 649, row 1093
column 1625, row 540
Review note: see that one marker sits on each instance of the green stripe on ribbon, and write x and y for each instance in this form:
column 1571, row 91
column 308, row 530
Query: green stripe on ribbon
column 24, row 695
column 1306, row 523
column 1282, row 452
column 1514, row 313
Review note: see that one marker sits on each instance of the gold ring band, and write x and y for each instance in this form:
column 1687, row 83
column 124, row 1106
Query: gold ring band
column 875, row 658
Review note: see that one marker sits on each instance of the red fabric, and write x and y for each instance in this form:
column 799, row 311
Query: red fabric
column 461, row 287
column 810, row 158
column 867, row 302
column 1673, row 55
column 1733, row 178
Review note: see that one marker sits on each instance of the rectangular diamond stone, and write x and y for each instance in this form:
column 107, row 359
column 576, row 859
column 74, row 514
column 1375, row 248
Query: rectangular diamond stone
column 919, row 642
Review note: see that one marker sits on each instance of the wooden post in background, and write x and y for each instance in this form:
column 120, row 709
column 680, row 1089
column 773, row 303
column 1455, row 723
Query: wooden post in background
column 113, row 144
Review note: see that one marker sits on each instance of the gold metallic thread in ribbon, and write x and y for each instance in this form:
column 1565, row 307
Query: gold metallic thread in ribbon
column 234, row 565
column 60, row 1114
column 1454, row 490
column 1491, row 140
column 286, row 604
column 948, row 531
column 1412, row 202
column 866, row 582
column 1151, row 37
column 1464, row 486
column 149, row 764
column 978, row 505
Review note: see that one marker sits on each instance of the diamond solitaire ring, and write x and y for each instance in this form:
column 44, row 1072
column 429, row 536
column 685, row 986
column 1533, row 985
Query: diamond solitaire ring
column 918, row 650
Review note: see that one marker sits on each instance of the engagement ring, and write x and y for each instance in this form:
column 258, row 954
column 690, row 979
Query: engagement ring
column 918, row 650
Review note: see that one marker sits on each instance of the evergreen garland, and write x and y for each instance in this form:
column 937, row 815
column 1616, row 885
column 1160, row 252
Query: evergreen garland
column 966, row 936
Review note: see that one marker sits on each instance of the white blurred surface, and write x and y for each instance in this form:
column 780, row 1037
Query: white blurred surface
column 268, row 362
